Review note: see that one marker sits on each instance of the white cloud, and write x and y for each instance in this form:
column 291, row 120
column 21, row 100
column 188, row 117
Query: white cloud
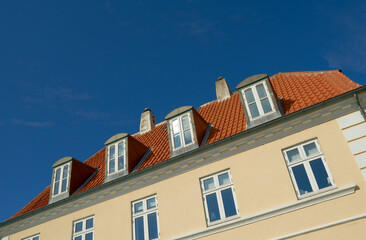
column 36, row 124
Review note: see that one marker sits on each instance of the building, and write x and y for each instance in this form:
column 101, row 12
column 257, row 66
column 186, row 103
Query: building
column 283, row 157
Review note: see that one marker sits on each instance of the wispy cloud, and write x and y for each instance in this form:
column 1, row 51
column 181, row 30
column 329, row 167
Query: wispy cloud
column 36, row 124
column 90, row 114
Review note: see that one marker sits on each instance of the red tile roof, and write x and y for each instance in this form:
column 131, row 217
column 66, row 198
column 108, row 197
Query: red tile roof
column 297, row 90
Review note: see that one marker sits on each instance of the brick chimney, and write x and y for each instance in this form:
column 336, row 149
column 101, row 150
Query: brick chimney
column 222, row 89
column 147, row 121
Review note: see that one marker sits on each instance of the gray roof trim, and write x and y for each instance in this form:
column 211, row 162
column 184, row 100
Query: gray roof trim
column 178, row 111
column 62, row 161
column 251, row 79
column 116, row 137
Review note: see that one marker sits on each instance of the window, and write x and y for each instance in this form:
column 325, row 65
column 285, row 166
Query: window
column 145, row 219
column 181, row 129
column 308, row 168
column 61, row 176
column 116, row 157
column 257, row 100
column 83, row 229
column 219, row 197
column 35, row 237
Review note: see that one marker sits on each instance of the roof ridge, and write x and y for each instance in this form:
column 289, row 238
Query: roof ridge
column 308, row 72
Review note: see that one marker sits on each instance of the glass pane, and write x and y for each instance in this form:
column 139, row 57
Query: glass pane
column 249, row 95
column 253, row 110
column 65, row 172
column 213, row 207
column 209, row 184
column 63, row 186
column 228, row 201
column 89, row 236
column 77, row 238
column 138, row 207
column 151, row 203
column 55, row 190
column 261, row 91
column 320, row 174
column 187, row 137
column 293, row 155
column 266, row 105
column 121, row 162
column 177, row 142
column 153, row 225
column 302, row 179
column 78, row 227
column 58, row 172
column 89, row 223
column 121, row 148
column 310, row 149
column 111, row 152
column 111, row 166
column 224, row 179
column 176, row 128
column 36, row 238
column 185, row 123
column 139, row 228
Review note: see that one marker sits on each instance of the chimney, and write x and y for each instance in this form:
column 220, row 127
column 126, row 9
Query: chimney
column 222, row 89
column 147, row 120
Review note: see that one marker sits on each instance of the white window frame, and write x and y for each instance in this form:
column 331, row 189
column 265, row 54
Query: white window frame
column 305, row 160
column 181, row 131
column 32, row 237
column 116, row 156
column 144, row 214
column 62, row 167
column 84, row 231
column 218, row 190
column 257, row 100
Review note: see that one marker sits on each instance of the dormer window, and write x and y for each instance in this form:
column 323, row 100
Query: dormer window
column 181, row 128
column 259, row 102
column 61, row 179
column 186, row 130
column 116, row 157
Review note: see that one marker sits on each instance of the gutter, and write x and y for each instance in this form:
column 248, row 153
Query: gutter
column 359, row 106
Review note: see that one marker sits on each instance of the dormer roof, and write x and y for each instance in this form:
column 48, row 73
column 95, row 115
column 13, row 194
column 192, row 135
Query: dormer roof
column 297, row 91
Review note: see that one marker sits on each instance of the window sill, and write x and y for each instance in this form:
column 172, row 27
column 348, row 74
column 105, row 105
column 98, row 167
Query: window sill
column 330, row 188
column 210, row 224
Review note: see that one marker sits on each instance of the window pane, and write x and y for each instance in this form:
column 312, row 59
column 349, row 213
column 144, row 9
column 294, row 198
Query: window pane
column 177, row 142
column 209, row 184
column 310, row 149
column 266, row 105
column 111, row 152
column 224, row 179
column 77, row 238
column 55, row 190
column 187, row 137
column 111, row 166
column 89, row 236
column 293, row 155
column 65, row 172
column 213, row 207
column 249, row 95
column 78, row 227
column 185, row 122
column 153, row 225
column 89, row 223
column 139, row 228
column 121, row 148
column 36, row 238
column 302, row 179
column 253, row 110
column 138, row 207
column 58, row 172
column 121, row 162
column 261, row 91
column 63, row 186
column 175, row 125
column 150, row 203
column 320, row 174
column 228, row 201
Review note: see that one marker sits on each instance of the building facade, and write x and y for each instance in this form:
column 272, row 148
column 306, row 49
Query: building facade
column 283, row 157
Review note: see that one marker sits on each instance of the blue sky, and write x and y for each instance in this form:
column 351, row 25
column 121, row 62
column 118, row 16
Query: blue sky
column 74, row 73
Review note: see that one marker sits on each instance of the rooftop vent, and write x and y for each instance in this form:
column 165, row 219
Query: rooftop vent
column 222, row 89
column 147, row 120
